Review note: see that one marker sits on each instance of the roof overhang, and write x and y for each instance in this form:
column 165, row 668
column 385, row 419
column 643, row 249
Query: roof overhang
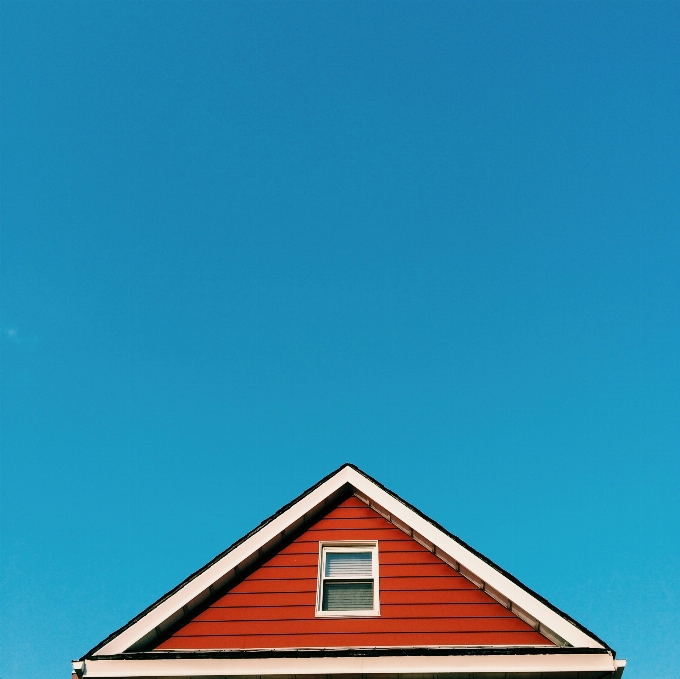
column 576, row 662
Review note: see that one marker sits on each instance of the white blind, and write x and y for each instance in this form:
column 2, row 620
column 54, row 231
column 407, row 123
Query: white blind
column 349, row 564
column 347, row 596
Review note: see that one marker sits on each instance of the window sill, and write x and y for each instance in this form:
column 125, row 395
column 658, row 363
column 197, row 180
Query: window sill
column 347, row 614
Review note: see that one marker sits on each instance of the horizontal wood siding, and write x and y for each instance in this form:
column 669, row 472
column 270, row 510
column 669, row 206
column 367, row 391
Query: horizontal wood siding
column 377, row 639
column 423, row 601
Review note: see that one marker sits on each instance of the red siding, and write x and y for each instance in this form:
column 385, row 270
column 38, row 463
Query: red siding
column 423, row 601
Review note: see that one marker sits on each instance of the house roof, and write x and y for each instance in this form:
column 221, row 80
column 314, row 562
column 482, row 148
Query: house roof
column 137, row 636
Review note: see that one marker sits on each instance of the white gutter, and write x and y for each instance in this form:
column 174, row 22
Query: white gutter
column 204, row 667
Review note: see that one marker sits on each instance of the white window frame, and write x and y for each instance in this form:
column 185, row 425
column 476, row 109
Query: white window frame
column 348, row 546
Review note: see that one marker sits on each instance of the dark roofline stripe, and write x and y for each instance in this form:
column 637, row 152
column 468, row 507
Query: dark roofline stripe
column 311, row 489
column 357, row 652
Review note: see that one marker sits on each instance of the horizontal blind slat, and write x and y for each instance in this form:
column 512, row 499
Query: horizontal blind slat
column 349, row 564
column 347, row 596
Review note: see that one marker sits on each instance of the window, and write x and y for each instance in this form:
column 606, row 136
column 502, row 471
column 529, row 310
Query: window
column 348, row 579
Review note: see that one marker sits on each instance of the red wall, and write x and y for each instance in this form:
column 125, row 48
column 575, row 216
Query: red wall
column 423, row 601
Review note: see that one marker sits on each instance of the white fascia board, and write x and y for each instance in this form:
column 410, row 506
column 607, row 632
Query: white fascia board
column 332, row 666
column 204, row 580
column 477, row 566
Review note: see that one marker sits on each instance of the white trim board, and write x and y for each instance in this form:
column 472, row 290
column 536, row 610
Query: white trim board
column 401, row 665
column 170, row 609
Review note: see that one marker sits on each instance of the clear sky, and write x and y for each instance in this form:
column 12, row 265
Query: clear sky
column 243, row 243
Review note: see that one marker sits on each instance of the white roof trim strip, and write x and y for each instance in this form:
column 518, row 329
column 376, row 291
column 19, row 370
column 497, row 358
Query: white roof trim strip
column 330, row 666
column 180, row 602
column 220, row 569
column 480, row 568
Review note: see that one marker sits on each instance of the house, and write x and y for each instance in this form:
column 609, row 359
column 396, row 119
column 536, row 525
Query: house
column 349, row 579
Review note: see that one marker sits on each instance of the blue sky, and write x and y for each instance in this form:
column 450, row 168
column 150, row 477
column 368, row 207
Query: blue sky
column 243, row 243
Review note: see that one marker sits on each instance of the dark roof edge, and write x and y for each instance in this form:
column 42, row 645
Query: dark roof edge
column 287, row 506
column 233, row 546
column 357, row 652
column 485, row 559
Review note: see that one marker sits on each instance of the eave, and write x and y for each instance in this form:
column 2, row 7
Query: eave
column 392, row 662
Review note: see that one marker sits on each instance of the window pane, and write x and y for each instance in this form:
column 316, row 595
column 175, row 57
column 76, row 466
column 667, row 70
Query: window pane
column 349, row 564
column 347, row 596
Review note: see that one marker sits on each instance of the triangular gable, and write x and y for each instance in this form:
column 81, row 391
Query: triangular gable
column 152, row 626
column 423, row 600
